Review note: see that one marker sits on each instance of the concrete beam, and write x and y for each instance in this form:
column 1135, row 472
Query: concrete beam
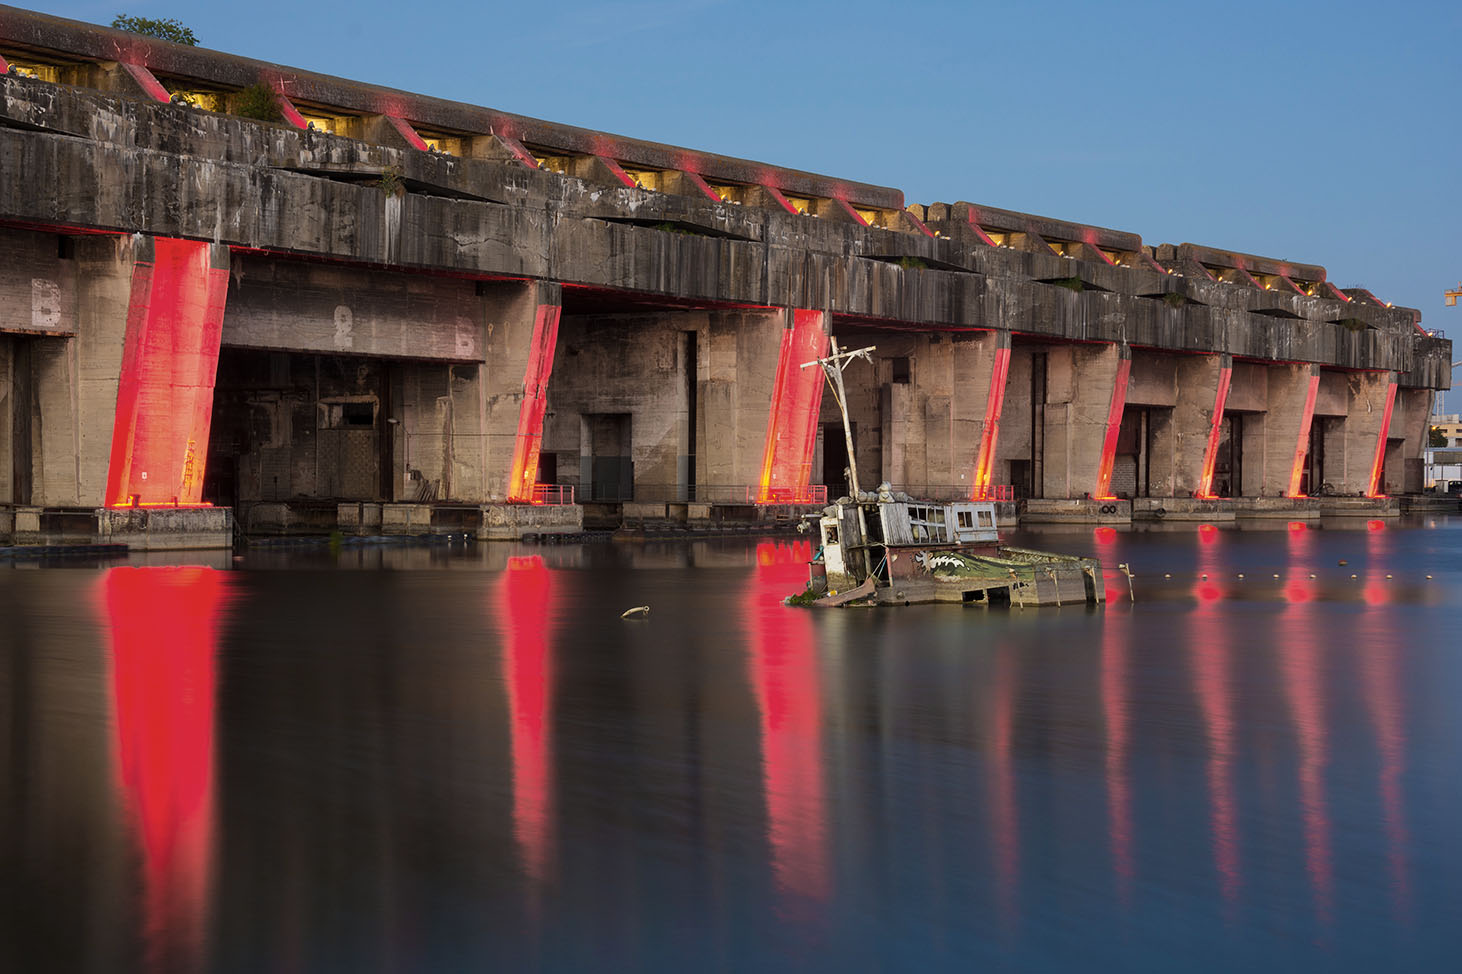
column 1292, row 390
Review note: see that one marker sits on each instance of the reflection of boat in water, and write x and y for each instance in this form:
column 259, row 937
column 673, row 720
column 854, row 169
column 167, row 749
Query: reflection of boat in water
column 888, row 548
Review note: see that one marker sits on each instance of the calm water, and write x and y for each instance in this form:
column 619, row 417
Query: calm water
column 434, row 760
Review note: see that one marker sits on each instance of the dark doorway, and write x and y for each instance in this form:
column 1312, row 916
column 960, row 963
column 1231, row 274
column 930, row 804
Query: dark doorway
column 1228, row 464
column 21, row 405
column 835, row 458
column 611, row 467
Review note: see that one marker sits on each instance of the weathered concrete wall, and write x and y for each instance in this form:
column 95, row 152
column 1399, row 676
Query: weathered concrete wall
column 308, row 307
column 1192, row 421
column 38, row 280
column 633, row 365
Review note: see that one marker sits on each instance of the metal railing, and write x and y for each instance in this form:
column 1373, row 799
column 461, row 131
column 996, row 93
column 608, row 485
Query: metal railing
column 553, row 495
column 997, row 493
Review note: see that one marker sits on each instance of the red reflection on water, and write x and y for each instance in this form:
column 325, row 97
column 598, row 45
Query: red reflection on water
column 524, row 604
column 1115, row 633
column 1375, row 525
column 1385, row 703
column 1302, row 672
column 784, row 674
column 1207, row 533
column 163, row 624
column 1003, row 806
column 1104, row 535
column 1210, row 653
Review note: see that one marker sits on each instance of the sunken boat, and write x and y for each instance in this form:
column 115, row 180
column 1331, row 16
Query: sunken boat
column 887, row 548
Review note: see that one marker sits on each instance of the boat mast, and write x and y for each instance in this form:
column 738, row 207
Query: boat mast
column 832, row 367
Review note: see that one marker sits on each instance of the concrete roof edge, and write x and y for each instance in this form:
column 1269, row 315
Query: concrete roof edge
column 30, row 29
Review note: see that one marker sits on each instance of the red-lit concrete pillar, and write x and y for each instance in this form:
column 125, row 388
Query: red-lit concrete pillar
column 994, row 406
column 522, row 337
column 1086, row 393
column 1368, row 426
column 786, row 467
column 1289, row 411
column 164, row 406
column 1204, row 487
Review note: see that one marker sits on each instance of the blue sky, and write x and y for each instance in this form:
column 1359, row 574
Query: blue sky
column 1318, row 132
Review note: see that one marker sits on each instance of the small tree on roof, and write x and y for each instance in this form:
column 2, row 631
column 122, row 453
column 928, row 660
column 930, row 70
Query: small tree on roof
column 166, row 29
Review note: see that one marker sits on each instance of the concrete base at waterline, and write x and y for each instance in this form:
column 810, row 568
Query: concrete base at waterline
column 166, row 529
column 509, row 522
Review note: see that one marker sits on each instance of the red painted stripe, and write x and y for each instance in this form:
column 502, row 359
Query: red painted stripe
column 979, row 230
column 524, row 474
column 796, row 399
column 408, row 133
column 4, row 65
column 1378, row 465
column 918, row 223
column 1210, row 453
column 149, row 84
column 1114, row 426
column 1302, row 447
column 990, row 437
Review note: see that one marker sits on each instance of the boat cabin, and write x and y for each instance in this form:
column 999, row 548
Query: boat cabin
column 900, row 524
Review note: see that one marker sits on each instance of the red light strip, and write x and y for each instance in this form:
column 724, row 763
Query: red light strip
column 796, row 399
column 1378, row 465
column 617, row 170
column 408, row 133
column 1302, row 446
column 776, row 194
column 4, row 65
column 700, row 184
column 524, row 476
column 1210, row 453
column 1114, row 426
column 990, row 437
column 519, row 151
column 847, row 208
column 290, row 113
column 165, row 386
column 149, row 84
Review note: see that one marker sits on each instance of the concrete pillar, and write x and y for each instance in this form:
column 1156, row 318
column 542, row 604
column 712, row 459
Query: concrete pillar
column 1411, row 422
column 1286, row 437
column 740, row 366
column 791, row 427
column 164, row 408
column 1085, row 394
column 74, row 380
column 1370, row 398
column 994, row 347
column 522, row 332
column 1203, row 384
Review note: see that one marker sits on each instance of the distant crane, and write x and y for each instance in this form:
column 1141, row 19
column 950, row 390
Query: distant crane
column 1452, row 296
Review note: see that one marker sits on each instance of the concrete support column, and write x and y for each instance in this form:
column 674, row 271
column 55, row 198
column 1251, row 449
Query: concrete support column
column 792, row 418
column 1086, row 389
column 741, row 361
column 1286, row 438
column 522, row 332
column 164, row 408
column 1203, row 386
column 994, row 346
column 1370, row 398
column 74, row 380
column 1410, row 422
